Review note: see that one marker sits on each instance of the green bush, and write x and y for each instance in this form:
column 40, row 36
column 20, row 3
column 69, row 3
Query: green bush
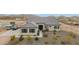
column 13, row 38
column 72, row 35
column 36, row 39
column 29, row 38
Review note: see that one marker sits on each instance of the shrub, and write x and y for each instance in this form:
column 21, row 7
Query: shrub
column 21, row 38
column 29, row 38
column 69, row 38
column 46, row 42
column 13, row 37
column 55, row 37
column 62, row 42
column 72, row 35
column 54, row 32
column 45, row 35
column 36, row 39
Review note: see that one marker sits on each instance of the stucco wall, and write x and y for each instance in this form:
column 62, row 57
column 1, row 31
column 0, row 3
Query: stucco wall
column 28, row 33
column 51, row 28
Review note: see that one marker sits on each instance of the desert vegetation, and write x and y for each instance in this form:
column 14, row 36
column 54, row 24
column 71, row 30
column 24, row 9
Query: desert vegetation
column 53, row 37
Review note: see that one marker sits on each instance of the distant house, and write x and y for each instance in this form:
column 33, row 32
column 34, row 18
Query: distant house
column 8, row 21
column 36, row 24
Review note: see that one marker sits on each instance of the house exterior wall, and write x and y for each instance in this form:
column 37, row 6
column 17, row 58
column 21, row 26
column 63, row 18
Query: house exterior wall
column 28, row 33
column 50, row 28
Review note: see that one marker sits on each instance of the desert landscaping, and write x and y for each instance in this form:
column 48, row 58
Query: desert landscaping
column 64, row 32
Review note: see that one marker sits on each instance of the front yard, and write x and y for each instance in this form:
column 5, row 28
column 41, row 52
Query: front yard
column 49, row 38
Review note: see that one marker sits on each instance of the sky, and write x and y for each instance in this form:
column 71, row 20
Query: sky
column 56, row 15
column 45, row 15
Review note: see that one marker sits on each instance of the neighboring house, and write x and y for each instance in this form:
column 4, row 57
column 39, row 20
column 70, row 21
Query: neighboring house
column 8, row 21
column 34, row 25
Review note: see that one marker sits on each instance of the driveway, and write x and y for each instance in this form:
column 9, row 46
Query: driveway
column 5, row 37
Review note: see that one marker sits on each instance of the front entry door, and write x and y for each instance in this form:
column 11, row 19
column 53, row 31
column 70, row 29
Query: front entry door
column 40, row 27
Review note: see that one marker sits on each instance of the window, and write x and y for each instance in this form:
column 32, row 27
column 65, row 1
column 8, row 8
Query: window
column 24, row 30
column 32, row 30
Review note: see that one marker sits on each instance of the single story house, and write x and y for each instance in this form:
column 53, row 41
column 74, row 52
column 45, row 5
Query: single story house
column 34, row 25
column 44, row 23
column 29, row 29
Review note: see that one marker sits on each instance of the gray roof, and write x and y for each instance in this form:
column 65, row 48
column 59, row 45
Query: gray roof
column 29, row 25
column 46, row 20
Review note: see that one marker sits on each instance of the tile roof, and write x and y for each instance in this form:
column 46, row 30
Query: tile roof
column 29, row 25
column 46, row 20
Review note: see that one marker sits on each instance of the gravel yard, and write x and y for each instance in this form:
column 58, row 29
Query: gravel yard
column 50, row 38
